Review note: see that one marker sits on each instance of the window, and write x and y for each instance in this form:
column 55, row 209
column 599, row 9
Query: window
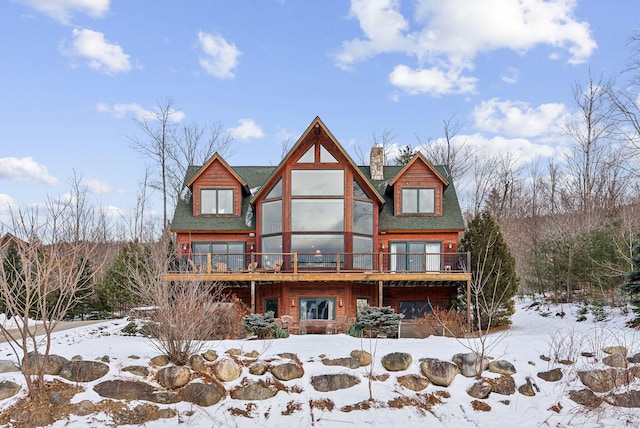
column 317, row 309
column 415, row 256
column 362, row 252
column 317, row 250
column 363, row 217
column 317, row 182
column 271, row 217
column 272, row 250
column 309, row 156
column 229, row 253
column 216, row 201
column 362, row 302
column 418, row 201
column 414, row 309
column 317, row 215
column 271, row 305
column 276, row 191
column 326, row 157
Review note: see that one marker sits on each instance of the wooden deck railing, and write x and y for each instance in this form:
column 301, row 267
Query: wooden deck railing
column 295, row 263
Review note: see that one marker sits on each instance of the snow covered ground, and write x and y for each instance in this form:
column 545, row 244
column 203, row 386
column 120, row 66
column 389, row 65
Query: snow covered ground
column 530, row 336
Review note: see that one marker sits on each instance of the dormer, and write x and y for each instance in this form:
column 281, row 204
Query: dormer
column 418, row 189
column 217, row 190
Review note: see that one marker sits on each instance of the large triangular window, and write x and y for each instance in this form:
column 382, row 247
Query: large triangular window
column 276, row 191
column 326, row 157
column 309, row 156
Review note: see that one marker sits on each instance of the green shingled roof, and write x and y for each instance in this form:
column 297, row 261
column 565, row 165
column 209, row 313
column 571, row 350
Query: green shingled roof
column 255, row 176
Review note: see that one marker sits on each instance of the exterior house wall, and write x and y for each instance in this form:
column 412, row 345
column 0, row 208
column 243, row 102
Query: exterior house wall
column 217, row 176
column 418, row 175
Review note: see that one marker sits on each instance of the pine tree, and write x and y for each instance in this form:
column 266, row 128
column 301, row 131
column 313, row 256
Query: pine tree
column 632, row 286
column 406, row 153
column 494, row 279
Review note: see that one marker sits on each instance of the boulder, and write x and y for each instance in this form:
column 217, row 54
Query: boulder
column 141, row 371
column 56, row 398
column 165, row 397
column 227, row 370
column 413, row 382
column 349, row 362
column 76, row 358
column 333, row 382
column 124, row 390
column 611, row 350
column 83, row 371
column 396, row 361
column 8, row 389
column 503, row 367
column 196, row 362
column 615, row 360
column 258, row 368
column 604, row 380
column 528, row 389
column 210, row 355
column 635, row 359
column 481, row 389
column 236, row 352
column 253, row 391
column 105, row 359
column 471, row 364
column 504, row 385
column 439, row 372
column 364, row 358
column 203, row 394
column 7, row 366
column 585, row 397
column 84, row 408
column 628, row 399
column 551, row 375
column 289, row 356
column 54, row 363
column 287, row 371
column 252, row 354
column 160, row 360
column 174, row 377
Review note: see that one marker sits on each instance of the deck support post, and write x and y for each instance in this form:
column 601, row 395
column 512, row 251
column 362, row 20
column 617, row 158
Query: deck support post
column 469, row 303
column 380, row 293
column 253, row 297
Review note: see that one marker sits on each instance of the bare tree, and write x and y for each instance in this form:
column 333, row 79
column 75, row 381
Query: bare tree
column 385, row 139
column 46, row 279
column 454, row 153
column 185, row 313
column 592, row 165
column 172, row 148
column 158, row 129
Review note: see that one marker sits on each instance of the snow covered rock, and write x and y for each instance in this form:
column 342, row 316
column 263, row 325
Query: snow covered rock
column 174, row 377
column 396, row 361
column 413, row 382
column 470, row 364
column 83, row 371
column 333, row 382
column 502, row 367
column 287, row 371
column 364, row 358
column 439, row 372
column 227, row 370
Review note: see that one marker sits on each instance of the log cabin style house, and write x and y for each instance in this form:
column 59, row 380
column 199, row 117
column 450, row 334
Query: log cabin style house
column 317, row 237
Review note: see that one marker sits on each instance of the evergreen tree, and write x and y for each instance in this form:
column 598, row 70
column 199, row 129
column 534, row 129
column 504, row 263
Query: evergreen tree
column 113, row 293
column 406, row 153
column 632, row 286
column 493, row 269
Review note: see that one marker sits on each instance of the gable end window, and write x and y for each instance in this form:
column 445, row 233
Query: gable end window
column 418, row 201
column 216, row 201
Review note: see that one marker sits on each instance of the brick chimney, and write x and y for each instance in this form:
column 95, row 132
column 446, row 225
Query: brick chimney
column 376, row 163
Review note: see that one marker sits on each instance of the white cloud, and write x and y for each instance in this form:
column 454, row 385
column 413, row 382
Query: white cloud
column 219, row 58
column 515, row 118
column 434, row 81
column 449, row 35
column 100, row 55
column 97, row 186
column 23, row 169
column 122, row 110
column 510, row 76
column 63, row 10
column 246, row 129
column 7, row 203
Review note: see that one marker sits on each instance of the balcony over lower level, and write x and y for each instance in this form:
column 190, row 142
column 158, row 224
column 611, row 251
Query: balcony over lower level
column 319, row 267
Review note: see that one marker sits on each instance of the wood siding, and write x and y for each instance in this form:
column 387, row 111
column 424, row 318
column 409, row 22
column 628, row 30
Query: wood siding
column 418, row 175
column 217, row 176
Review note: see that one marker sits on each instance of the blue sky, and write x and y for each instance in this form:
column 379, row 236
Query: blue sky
column 75, row 73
